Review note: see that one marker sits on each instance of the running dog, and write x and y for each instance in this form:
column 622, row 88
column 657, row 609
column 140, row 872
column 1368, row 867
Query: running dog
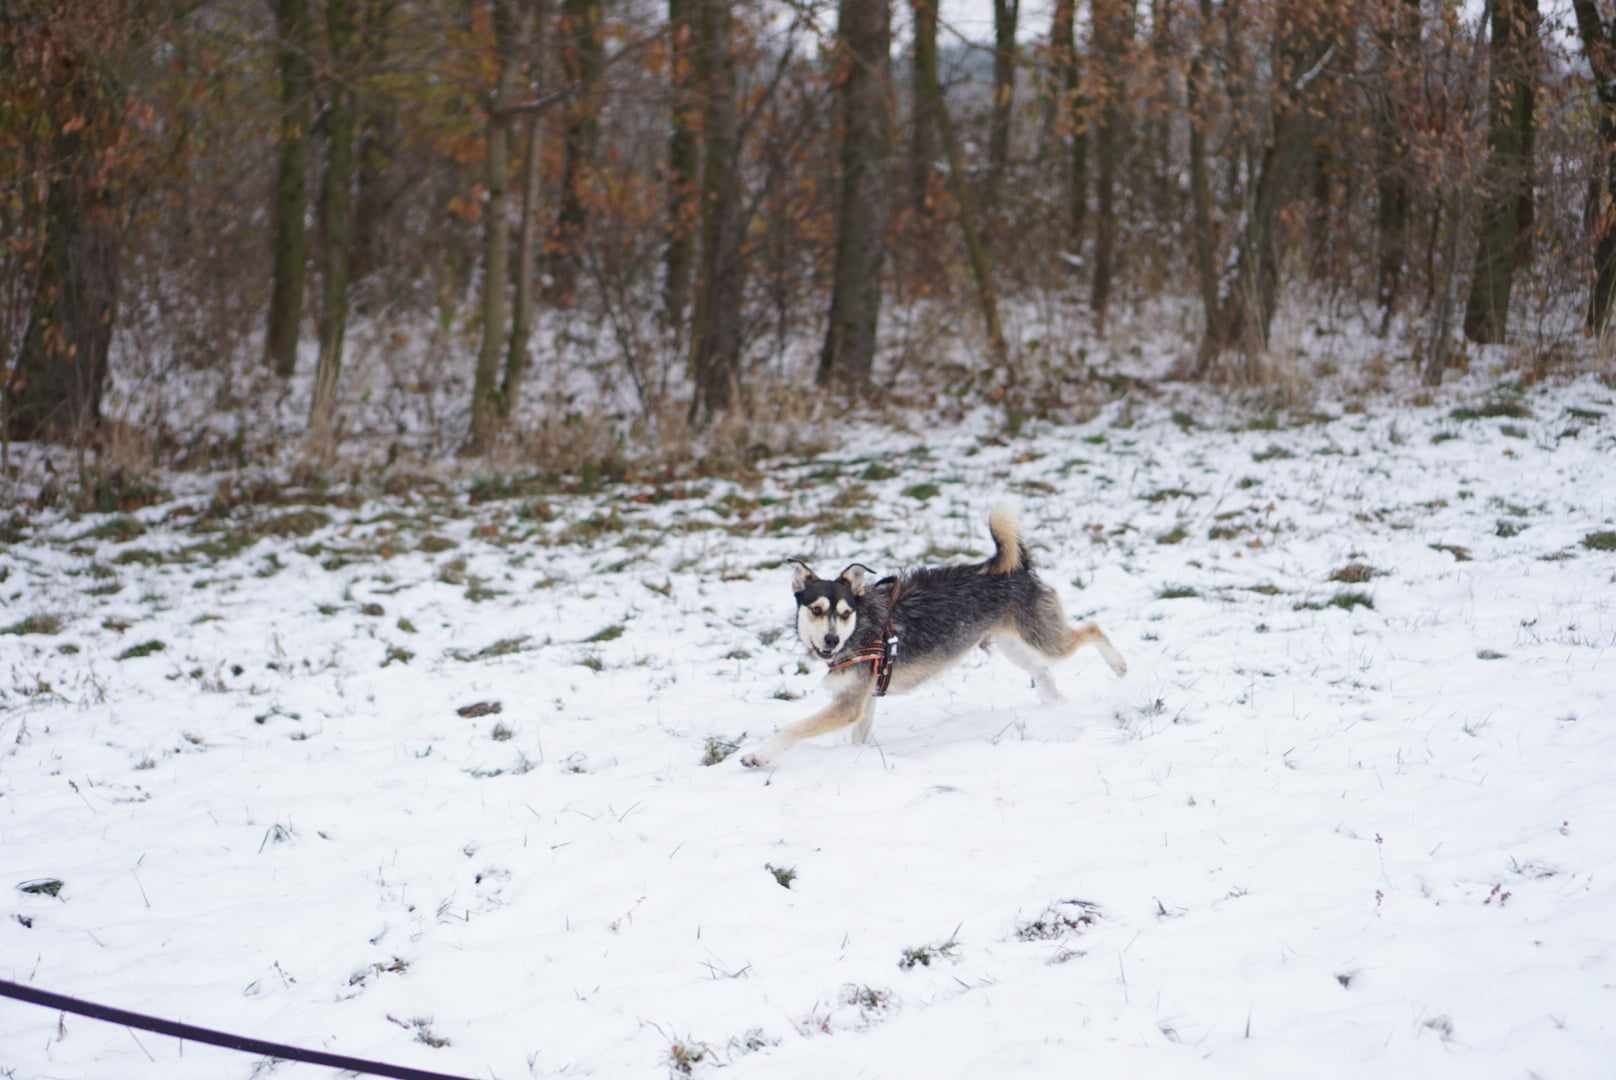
column 901, row 631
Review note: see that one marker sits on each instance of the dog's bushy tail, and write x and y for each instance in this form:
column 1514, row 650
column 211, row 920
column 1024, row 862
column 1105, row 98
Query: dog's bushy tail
column 1009, row 554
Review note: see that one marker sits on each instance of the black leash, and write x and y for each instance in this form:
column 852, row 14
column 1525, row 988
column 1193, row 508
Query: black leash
column 192, row 1033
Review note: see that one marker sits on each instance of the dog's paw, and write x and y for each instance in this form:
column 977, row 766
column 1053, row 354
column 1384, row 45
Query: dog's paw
column 755, row 760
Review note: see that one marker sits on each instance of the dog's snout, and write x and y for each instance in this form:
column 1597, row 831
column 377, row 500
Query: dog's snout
column 831, row 640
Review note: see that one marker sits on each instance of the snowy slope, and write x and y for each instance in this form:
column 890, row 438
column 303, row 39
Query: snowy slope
column 1309, row 835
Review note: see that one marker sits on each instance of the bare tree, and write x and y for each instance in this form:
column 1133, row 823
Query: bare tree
column 1006, row 16
column 862, row 75
column 716, row 337
column 1599, row 41
column 1505, row 241
column 288, row 242
column 336, row 217
column 1113, row 39
column 683, row 161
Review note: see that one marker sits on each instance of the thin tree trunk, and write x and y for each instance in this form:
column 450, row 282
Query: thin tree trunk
column 976, row 252
column 1206, row 274
column 1397, row 45
column 582, row 62
column 516, row 359
column 376, row 136
column 716, row 336
column 1504, row 243
column 1113, row 30
column 1161, row 146
column 288, row 244
column 683, row 161
column 923, row 123
column 336, row 211
column 864, row 34
column 1599, row 43
column 486, row 409
column 1074, row 118
column 1249, row 294
column 1006, row 14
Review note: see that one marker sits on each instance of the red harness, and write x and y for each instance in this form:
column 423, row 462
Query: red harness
column 880, row 656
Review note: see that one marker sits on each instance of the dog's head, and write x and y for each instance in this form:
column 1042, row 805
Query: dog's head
column 827, row 610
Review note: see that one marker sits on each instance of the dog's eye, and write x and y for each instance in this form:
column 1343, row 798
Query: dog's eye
column 844, row 616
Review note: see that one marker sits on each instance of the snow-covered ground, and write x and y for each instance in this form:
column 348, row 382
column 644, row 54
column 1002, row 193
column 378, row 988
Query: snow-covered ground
column 1323, row 827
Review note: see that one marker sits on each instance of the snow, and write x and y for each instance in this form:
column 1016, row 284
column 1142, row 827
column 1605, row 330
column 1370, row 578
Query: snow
column 1318, row 839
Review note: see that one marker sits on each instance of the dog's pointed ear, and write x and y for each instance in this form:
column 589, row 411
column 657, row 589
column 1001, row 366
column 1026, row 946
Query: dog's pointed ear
column 801, row 574
column 854, row 575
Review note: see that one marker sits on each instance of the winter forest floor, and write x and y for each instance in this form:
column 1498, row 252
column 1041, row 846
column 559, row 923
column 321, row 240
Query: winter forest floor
column 424, row 771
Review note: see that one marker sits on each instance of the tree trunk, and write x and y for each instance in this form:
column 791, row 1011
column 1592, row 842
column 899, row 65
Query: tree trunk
column 923, row 123
column 683, row 161
column 1074, row 121
column 1397, row 44
column 864, row 34
column 582, row 63
column 1206, row 274
column 1161, row 146
column 377, row 135
column 1249, row 292
column 981, row 270
column 289, row 245
column 54, row 389
column 1113, row 37
column 336, row 212
column 516, row 358
column 1600, row 46
column 1006, row 14
column 486, row 410
column 716, row 334
column 1504, row 243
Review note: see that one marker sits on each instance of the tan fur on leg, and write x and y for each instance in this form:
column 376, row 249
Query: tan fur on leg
column 847, row 708
column 1090, row 634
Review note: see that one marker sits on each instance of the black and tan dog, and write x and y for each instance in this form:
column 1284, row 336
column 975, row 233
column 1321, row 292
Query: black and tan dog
column 897, row 633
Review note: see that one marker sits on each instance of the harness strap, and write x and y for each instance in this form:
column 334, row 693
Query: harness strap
column 881, row 656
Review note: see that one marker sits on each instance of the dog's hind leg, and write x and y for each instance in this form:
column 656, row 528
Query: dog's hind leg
column 1027, row 659
column 1045, row 629
column 847, row 708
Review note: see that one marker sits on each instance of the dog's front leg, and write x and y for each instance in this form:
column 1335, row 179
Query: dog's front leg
column 846, row 708
column 861, row 731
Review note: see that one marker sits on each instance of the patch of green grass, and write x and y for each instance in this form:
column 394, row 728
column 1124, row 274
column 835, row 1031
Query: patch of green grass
column 397, row 654
column 922, row 492
column 35, row 624
column 593, row 663
column 501, row 733
column 1163, row 494
column 1245, row 483
column 109, row 588
column 1442, row 437
column 145, row 648
column 877, row 471
column 1513, row 431
column 1177, row 592
column 1603, row 540
column 783, row 875
column 1346, row 601
column 1225, row 532
column 1507, row 528
column 1265, row 589
column 433, row 544
column 502, row 647
column 717, row 748
column 1584, row 414
column 139, row 557
column 1460, row 554
column 606, row 633
column 923, row 955
column 1175, row 535
column 118, row 530
column 1273, row 452
column 1354, row 573
column 1496, row 408
column 406, row 626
